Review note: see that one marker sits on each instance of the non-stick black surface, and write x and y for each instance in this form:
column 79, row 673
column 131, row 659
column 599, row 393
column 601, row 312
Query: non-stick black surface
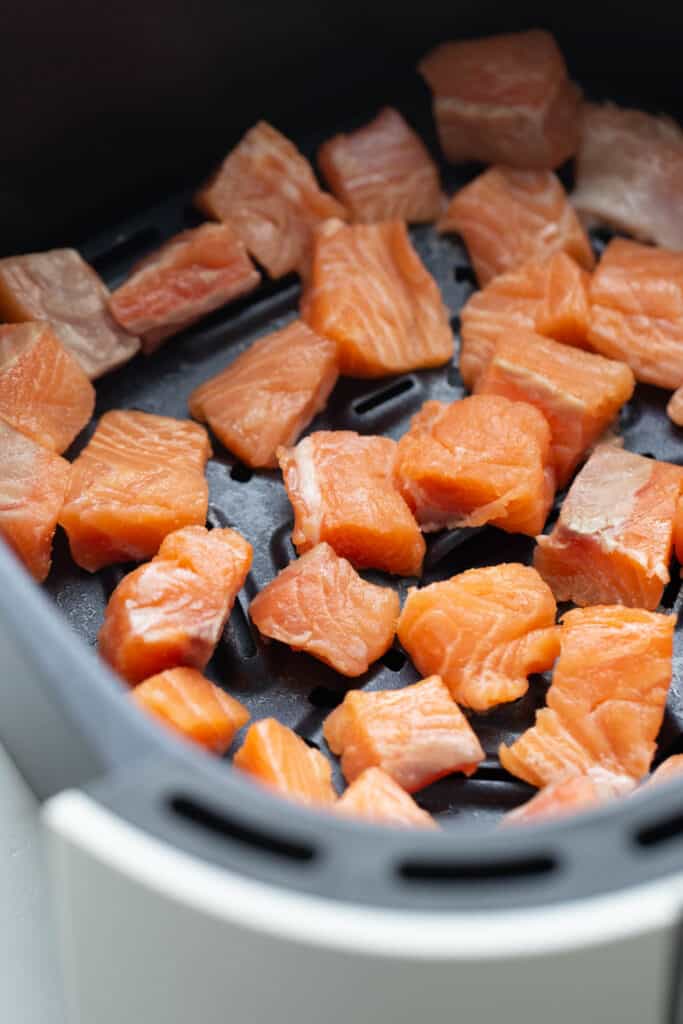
column 267, row 677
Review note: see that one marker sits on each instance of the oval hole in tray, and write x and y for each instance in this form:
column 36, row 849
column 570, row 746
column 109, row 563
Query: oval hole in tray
column 476, row 870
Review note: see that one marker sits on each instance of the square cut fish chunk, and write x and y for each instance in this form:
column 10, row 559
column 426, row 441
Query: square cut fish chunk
column 269, row 394
column 369, row 291
column 383, row 171
column 507, row 217
column 44, row 393
column 416, row 735
column 267, row 191
column 579, row 393
column 636, row 297
column 191, row 705
column 483, row 632
column 139, row 478
column 607, row 699
column 504, row 99
column 319, row 604
column 613, row 541
column 275, row 756
column 548, row 296
column 571, row 795
column 629, row 173
column 170, row 612
column 60, row 287
column 341, row 486
column 375, row 797
column 192, row 274
column 33, row 483
column 482, row 459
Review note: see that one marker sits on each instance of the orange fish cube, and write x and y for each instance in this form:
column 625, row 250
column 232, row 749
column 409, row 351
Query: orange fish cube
column 60, row 287
column 549, row 297
column 342, row 490
column 383, row 171
column 33, row 483
column 579, row 393
column 192, row 274
column 139, row 478
column 267, row 191
column 483, row 459
column 369, row 291
column 189, row 704
column 483, row 631
column 504, row 99
column 269, row 394
column 507, row 217
column 613, row 541
column 319, row 604
column 571, row 795
column 636, row 297
column 275, row 756
column 416, row 735
column 44, row 393
column 171, row 611
column 375, row 797
column 607, row 699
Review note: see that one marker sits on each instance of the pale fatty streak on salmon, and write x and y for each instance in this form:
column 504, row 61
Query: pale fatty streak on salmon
column 375, row 797
column 571, row 795
column 483, row 631
column 267, row 191
column 549, row 296
column 507, row 217
column 190, row 704
column 139, row 478
column 275, row 756
column 171, row 611
column 416, row 735
column 319, row 604
column 60, row 287
column 33, row 485
column 504, row 99
column 613, row 541
column 269, row 394
column 629, row 173
column 607, row 699
column 44, row 393
column 383, row 171
column 369, row 292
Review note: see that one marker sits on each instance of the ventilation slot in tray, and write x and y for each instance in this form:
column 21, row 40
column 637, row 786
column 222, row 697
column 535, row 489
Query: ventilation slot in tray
column 476, row 870
column 383, row 397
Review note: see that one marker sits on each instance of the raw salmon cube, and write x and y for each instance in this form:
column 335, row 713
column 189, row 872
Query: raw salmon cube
column 483, row 459
column 341, row 486
column 187, row 702
column 579, row 393
column 607, row 699
column 44, row 393
column 504, row 99
column 636, row 299
column 416, row 735
column 319, row 604
column 383, row 171
column 549, row 297
column 192, row 274
column 33, row 483
column 507, row 217
column 277, row 757
column 669, row 769
column 140, row 477
column 369, row 291
column 484, row 631
column 612, row 543
column 59, row 286
column 571, row 795
column 266, row 190
column 674, row 409
column 269, row 394
column 171, row 611
column 629, row 173
column 376, row 797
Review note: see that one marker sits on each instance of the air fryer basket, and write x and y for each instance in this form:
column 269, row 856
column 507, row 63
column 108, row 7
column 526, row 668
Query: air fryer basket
column 71, row 724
